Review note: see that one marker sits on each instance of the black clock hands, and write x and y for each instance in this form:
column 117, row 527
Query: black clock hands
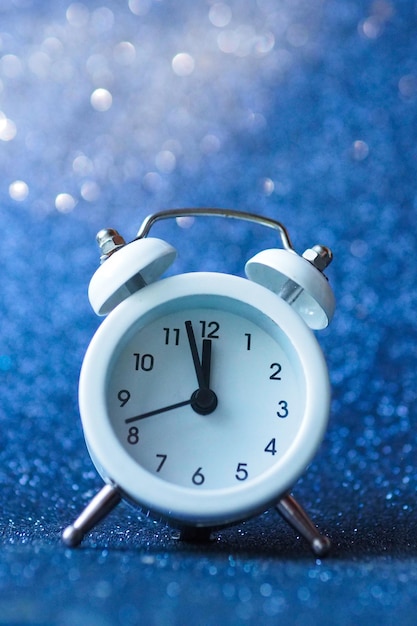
column 203, row 401
column 206, row 361
column 201, row 378
column 171, row 407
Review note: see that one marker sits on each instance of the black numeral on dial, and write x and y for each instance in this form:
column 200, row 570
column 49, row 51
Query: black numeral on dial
column 172, row 336
column 133, row 435
column 209, row 330
column 271, row 447
column 124, row 396
column 241, row 471
column 144, row 362
column 276, row 371
column 198, row 478
column 163, row 458
column 283, row 409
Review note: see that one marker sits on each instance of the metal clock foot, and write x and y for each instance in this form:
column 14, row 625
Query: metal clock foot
column 106, row 499
column 295, row 515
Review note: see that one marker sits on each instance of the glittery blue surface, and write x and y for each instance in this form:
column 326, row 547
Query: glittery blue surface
column 303, row 111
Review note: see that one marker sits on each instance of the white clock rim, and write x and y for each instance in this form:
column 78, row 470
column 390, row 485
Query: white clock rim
column 188, row 505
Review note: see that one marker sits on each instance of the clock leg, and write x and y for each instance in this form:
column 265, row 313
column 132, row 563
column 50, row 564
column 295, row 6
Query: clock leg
column 295, row 515
column 106, row 499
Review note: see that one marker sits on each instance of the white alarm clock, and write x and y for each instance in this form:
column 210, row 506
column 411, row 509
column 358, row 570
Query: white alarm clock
column 204, row 396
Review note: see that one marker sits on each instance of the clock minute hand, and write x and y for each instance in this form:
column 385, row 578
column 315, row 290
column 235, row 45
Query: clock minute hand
column 201, row 378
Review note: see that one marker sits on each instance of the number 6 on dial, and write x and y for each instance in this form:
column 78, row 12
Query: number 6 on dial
column 204, row 396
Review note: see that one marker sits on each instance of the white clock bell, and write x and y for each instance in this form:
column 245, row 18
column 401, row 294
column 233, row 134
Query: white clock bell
column 204, row 396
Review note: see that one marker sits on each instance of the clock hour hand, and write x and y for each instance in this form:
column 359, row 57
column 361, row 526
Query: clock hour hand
column 206, row 361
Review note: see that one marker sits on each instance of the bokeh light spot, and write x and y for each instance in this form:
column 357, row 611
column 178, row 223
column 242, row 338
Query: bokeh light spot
column 183, row 64
column 65, row 203
column 101, row 99
column 18, row 190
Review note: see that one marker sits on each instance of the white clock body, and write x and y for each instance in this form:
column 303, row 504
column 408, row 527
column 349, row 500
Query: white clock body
column 269, row 378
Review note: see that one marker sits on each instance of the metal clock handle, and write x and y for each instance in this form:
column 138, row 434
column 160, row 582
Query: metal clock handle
column 207, row 212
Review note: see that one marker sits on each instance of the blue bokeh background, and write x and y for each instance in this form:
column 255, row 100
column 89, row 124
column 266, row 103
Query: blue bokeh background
column 304, row 111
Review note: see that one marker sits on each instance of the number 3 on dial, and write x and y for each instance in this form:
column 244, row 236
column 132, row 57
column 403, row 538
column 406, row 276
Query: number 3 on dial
column 283, row 409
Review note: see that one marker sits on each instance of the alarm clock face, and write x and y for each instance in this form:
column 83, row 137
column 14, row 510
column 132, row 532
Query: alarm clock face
column 203, row 397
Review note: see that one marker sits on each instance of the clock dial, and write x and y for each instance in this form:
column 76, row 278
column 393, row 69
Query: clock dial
column 198, row 425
